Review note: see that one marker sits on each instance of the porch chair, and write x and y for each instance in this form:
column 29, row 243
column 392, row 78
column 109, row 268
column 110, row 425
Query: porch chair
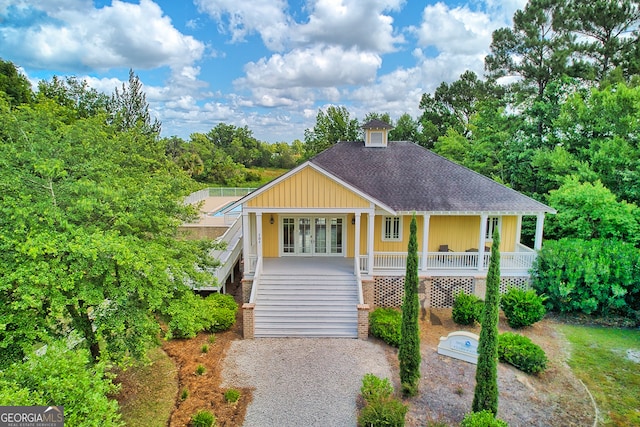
column 442, row 258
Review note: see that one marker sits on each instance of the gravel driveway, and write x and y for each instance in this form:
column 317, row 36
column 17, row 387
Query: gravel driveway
column 302, row 381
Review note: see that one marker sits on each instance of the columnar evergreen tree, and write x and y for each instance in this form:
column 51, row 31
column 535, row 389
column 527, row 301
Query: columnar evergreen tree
column 486, row 391
column 409, row 351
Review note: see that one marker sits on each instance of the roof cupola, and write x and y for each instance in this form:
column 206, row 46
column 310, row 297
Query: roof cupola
column 376, row 133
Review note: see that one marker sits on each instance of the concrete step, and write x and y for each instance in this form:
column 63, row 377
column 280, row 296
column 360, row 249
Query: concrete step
column 306, row 306
column 306, row 333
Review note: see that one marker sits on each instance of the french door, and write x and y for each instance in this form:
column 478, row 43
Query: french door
column 312, row 235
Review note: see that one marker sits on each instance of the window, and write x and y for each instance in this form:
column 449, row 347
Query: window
column 493, row 223
column 392, row 228
column 376, row 138
column 288, row 235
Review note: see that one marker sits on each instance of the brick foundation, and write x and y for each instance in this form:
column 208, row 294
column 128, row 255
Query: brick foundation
column 247, row 321
column 363, row 321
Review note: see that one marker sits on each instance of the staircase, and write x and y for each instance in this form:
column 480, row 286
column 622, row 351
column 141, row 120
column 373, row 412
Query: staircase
column 306, row 305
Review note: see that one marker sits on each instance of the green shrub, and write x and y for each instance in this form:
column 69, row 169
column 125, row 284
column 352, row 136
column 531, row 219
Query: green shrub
column 190, row 314
column 204, row 348
column 386, row 412
column 232, row 395
column 598, row 276
column 184, row 394
column 222, row 301
column 467, row 309
column 386, row 323
column 203, row 419
column 482, row 419
column 381, row 408
column 522, row 308
column 521, row 352
column 374, row 388
column 63, row 377
column 200, row 370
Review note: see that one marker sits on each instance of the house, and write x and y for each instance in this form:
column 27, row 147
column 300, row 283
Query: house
column 327, row 241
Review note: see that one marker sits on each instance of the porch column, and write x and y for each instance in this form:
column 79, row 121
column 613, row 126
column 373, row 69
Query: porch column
column 483, row 240
column 425, row 240
column 370, row 231
column 246, row 241
column 537, row 243
column 356, row 238
column 259, row 234
column 518, row 231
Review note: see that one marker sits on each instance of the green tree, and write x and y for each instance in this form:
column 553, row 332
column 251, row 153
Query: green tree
column 590, row 211
column 76, row 95
column 14, row 84
column 407, row 129
column 384, row 117
column 609, row 34
column 453, row 105
column 332, row 125
column 536, row 49
column 240, row 145
column 485, row 396
column 129, row 109
column 599, row 127
column 88, row 225
column 409, row 350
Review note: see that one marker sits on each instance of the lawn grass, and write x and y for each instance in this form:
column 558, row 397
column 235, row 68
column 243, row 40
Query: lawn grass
column 149, row 391
column 599, row 359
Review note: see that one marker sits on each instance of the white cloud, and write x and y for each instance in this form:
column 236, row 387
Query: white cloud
column 77, row 36
column 459, row 30
column 318, row 66
column 242, row 18
column 351, row 23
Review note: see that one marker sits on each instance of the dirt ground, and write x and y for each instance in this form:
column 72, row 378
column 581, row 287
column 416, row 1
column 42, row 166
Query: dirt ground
column 204, row 390
column 554, row 398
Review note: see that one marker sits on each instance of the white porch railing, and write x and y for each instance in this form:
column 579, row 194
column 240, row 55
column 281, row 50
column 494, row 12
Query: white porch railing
column 251, row 262
column 356, row 261
column 229, row 255
column 364, row 263
column 521, row 260
column 256, row 281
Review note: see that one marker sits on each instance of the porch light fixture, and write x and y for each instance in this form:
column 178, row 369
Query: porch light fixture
column 271, row 219
column 353, row 220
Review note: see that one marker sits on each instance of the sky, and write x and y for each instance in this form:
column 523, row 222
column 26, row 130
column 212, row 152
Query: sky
column 270, row 65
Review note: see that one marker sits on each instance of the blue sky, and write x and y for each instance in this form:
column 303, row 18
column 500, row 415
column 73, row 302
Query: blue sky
column 267, row 64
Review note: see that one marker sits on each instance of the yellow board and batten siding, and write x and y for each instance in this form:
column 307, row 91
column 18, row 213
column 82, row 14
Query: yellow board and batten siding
column 308, row 189
column 460, row 232
column 380, row 245
column 304, row 190
column 463, row 232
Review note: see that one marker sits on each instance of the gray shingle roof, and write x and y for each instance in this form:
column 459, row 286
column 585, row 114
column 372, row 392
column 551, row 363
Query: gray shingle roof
column 376, row 124
column 408, row 177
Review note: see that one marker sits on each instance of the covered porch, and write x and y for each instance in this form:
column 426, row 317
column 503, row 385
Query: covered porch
column 457, row 245
column 394, row 263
